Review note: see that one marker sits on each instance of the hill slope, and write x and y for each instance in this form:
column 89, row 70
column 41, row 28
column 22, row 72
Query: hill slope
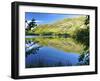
column 65, row 26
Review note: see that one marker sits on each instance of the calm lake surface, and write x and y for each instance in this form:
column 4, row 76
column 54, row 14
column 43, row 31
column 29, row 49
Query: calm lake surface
column 47, row 51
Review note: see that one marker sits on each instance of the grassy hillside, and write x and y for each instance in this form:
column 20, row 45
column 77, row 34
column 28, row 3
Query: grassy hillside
column 65, row 26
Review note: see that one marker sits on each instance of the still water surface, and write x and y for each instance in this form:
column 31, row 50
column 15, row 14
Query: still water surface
column 51, row 51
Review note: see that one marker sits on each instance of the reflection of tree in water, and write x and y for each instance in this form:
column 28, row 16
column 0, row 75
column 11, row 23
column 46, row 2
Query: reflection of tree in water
column 31, row 47
column 84, row 58
column 33, row 51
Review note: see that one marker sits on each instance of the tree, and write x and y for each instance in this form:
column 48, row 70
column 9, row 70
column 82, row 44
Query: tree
column 87, row 20
column 82, row 35
column 32, row 24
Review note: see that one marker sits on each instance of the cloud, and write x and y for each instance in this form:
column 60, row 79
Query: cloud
column 28, row 21
column 37, row 21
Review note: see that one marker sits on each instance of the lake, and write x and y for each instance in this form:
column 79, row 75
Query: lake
column 51, row 51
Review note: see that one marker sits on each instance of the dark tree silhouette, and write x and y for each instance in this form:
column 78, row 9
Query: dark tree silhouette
column 87, row 20
column 82, row 35
column 32, row 24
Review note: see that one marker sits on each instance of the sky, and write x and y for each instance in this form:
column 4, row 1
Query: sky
column 47, row 18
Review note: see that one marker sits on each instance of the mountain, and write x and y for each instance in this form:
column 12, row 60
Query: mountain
column 65, row 26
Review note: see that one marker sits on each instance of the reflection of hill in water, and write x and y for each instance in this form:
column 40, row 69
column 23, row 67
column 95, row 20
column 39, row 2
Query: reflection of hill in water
column 65, row 44
column 51, row 51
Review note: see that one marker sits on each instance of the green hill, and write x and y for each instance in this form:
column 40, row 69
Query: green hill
column 65, row 26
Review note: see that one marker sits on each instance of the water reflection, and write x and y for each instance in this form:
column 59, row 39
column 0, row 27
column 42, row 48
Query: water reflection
column 51, row 52
column 31, row 47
